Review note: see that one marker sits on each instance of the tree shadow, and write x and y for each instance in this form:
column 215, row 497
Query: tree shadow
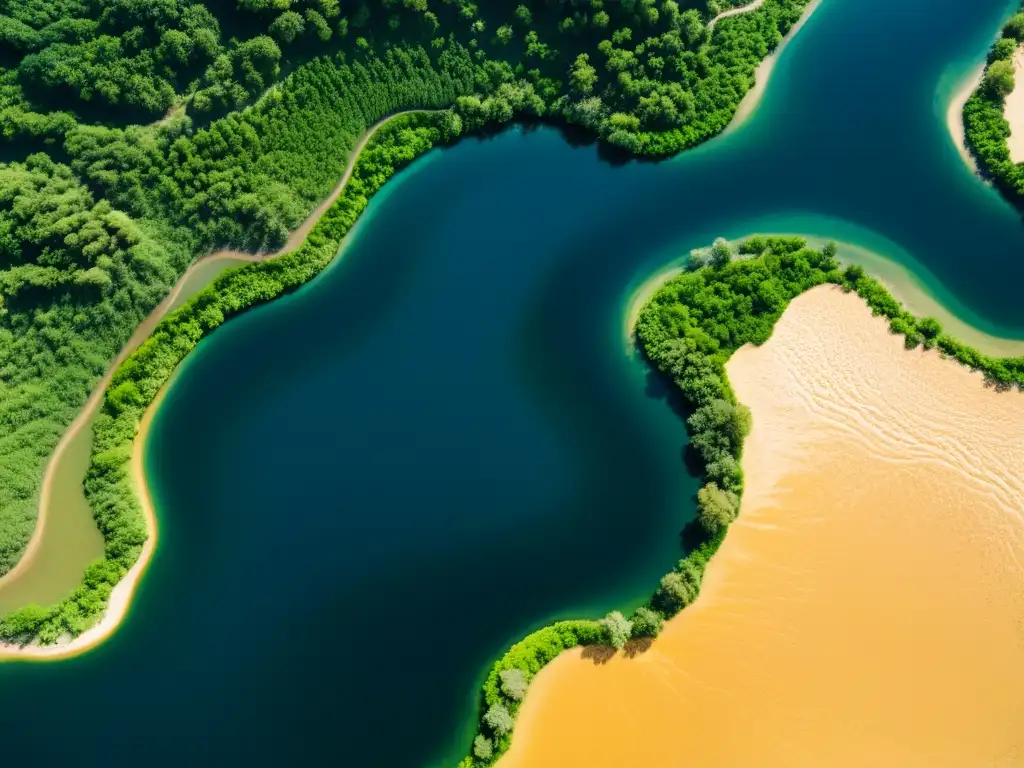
column 599, row 654
column 638, row 646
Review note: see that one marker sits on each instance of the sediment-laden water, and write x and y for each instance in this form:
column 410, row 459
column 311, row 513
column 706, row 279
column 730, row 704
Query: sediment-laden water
column 866, row 607
column 368, row 489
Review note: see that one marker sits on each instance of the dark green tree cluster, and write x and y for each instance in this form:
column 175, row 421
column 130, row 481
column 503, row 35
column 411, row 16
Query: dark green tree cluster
column 654, row 80
column 986, row 130
column 688, row 330
column 250, row 177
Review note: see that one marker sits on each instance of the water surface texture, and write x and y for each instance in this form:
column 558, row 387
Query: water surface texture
column 368, row 489
column 879, row 546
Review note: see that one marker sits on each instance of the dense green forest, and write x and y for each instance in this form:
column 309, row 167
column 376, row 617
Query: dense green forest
column 985, row 128
column 136, row 135
column 730, row 296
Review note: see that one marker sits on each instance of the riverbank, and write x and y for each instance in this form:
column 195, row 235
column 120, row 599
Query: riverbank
column 764, row 70
column 897, row 279
column 858, row 446
column 1013, row 110
column 121, row 595
column 955, row 113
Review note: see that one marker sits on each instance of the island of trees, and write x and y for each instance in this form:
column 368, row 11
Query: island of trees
column 986, row 130
column 138, row 135
column 728, row 297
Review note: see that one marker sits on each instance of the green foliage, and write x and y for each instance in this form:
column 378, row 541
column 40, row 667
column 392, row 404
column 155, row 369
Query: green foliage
column 1003, row 49
column 108, row 484
column 513, row 683
column 498, row 719
column 176, row 127
column 716, row 508
column 646, row 622
column 999, row 78
column 483, row 747
column 1014, row 28
column 617, row 628
column 986, row 130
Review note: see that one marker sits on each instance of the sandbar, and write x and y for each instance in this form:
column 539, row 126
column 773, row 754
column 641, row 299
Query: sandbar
column 865, row 608
column 955, row 112
column 1013, row 110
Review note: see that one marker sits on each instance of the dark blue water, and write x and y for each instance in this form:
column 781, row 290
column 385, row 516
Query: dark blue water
column 369, row 488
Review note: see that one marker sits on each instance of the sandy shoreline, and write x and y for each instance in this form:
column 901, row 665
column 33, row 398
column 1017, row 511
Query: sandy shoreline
column 1013, row 110
column 955, row 112
column 120, row 597
column 752, row 99
column 643, row 293
column 879, row 546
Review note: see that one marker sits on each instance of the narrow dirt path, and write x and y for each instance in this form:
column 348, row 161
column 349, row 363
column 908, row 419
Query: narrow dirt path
column 735, row 12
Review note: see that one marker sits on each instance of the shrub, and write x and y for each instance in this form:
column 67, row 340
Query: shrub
column 513, row 683
column 618, row 629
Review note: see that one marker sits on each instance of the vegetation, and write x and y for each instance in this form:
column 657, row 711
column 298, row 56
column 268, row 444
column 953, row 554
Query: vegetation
column 731, row 296
column 985, row 128
column 140, row 134
column 109, row 487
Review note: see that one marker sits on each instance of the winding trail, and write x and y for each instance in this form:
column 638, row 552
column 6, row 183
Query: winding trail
column 88, row 412
column 735, row 12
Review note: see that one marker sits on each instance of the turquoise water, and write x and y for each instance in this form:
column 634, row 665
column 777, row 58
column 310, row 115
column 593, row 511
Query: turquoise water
column 369, row 488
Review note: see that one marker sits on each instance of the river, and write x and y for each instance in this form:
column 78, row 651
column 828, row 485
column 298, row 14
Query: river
column 367, row 489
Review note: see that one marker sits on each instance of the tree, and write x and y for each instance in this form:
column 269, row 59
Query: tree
column 513, row 683
column 319, row 24
column 691, row 26
column 717, row 508
column 674, row 593
column 288, row 26
column 1004, row 48
column 728, row 423
column 483, row 748
column 601, row 19
column 524, row 15
column 582, row 76
column 647, row 623
column 498, row 719
column 504, row 33
column 617, row 628
column 999, row 79
column 1015, row 27
column 721, row 253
